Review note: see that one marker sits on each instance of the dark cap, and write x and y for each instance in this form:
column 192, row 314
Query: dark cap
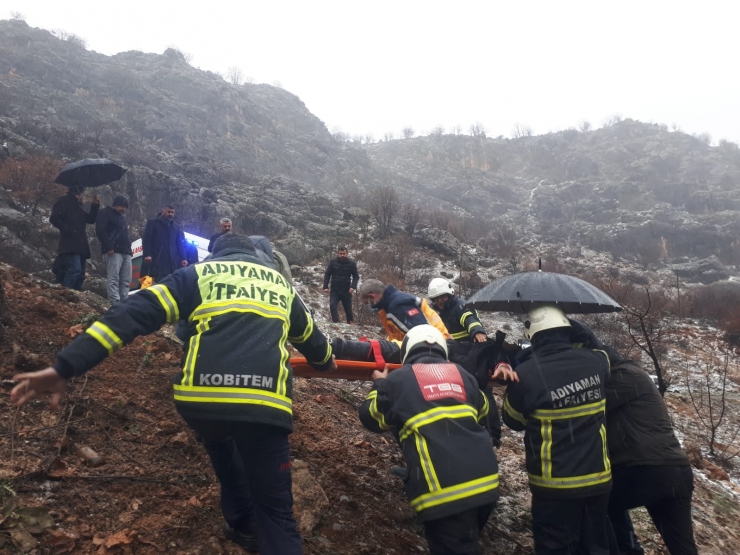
column 120, row 200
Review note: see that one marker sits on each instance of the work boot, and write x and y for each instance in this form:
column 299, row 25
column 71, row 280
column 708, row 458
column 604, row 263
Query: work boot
column 351, row 323
column 401, row 472
column 247, row 541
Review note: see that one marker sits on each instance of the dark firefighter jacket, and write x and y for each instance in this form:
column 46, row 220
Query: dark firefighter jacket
column 560, row 403
column 637, row 423
column 435, row 409
column 240, row 315
column 164, row 241
column 462, row 323
column 399, row 312
column 343, row 274
column 112, row 231
column 68, row 216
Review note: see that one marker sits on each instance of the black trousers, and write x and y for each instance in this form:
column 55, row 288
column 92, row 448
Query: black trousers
column 346, row 298
column 570, row 526
column 665, row 491
column 252, row 463
column 457, row 534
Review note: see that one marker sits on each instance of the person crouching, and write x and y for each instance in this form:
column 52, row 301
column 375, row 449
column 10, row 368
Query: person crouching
column 436, row 410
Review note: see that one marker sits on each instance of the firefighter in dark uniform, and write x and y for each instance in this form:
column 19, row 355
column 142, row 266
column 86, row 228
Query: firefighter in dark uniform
column 435, row 410
column 464, row 326
column 235, row 386
column 560, row 403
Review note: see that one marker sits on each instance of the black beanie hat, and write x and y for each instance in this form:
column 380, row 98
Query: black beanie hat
column 120, row 200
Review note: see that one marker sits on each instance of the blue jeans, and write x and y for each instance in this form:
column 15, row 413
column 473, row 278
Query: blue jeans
column 118, row 270
column 74, row 271
column 252, row 463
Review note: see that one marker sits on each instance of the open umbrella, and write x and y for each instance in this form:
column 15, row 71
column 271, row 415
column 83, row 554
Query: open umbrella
column 519, row 292
column 90, row 172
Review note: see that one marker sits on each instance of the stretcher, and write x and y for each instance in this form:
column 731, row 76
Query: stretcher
column 352, row 370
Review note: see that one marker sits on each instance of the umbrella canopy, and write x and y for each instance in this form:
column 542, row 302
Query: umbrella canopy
column 520, row 292
column 90, row 172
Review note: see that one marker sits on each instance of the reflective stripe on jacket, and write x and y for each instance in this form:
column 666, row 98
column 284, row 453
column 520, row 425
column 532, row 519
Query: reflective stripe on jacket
column 436, row 411
column 560, row 402
column 240, row 315
column 462, row 323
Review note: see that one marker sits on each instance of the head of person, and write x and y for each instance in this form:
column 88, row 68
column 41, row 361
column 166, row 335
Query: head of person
column 120, row 204
column 545, row 322
column 440, row 291
column 168, row 212
column 423, row 339
column 342, row 254
column 225, row 225
column 76, row 190
column 371, row 291
column 232, row 242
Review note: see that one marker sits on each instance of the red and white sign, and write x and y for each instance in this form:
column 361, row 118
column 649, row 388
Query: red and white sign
column 439, row 381
column 412, row 312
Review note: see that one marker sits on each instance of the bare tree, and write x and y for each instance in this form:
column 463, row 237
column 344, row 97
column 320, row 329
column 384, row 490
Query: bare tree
column 383, row 205
column 705, row 138
column 407, row 132
column 477, row 129
column 31, row 179
column 388, row 136
column 456, row 129
column 249, row 80
column 277, row 83
column 369, row 138
column 584, row 126
column 339, row 135
column 437, row 132
column 234, row 75
column 709, row 399
column 675, row 127
column 644, row 308
column 17, row 16
column 521, row 130
column 411, row 217
column 613, row 119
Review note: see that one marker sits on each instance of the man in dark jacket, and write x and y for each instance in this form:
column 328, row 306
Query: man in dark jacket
column 225, row 228
column 560, row 403
column 112, row 231
column 649, row 467
column 164, row 245
column 68, row 216
column 462, row 323
column 435, row 410
column 235, row 386
column 342, row 271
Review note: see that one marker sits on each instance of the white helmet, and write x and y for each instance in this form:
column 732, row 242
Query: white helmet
column 544, row 317
column 440, row 286
column 422, row 336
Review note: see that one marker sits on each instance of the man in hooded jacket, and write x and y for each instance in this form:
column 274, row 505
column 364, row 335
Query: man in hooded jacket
column 163, row 245
column 70, row 218
column 112, row 231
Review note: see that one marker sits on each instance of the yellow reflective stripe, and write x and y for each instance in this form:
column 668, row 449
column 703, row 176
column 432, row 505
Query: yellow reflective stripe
column 378, row 416
column 284, row 373
column 571, row 412
column 167, row 301
column 474, row 325
column 240, row 395
column 306, row 333
column 434, row 415
column 464, row 315
column 546, row 448
column 512, row 412
column 482, row 413
column 328, row 354
column 188, row 371
column 460, row 335
column 607, row 462
column 609, row 362
column 571, row 482
column 455, row 493
column 216, row 309
column 426, row 462
column 105, row 336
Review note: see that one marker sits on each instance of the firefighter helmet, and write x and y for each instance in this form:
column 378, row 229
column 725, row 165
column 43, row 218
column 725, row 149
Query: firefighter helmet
column 439, row 287
column 423, row 336
column 544, row 317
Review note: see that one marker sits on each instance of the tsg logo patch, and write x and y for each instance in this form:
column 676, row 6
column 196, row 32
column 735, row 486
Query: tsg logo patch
column 439, row 381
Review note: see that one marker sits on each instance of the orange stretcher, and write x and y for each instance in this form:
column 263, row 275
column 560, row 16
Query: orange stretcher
column 352, row 370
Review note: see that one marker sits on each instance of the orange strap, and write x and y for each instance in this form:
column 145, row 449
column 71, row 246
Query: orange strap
column 376, row 351
column 352, row 370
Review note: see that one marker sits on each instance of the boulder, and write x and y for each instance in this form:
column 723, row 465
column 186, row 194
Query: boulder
column 704, row 271
column 15, row 252
column 309, row 500
column 438, row 240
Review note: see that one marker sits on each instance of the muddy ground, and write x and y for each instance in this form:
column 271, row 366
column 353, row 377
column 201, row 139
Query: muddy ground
column 155, row 491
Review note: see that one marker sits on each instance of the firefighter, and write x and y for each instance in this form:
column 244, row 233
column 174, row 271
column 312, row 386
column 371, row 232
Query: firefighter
column 462, row 323
column 560, row 403
column 398, row 311
column 235, row 387
column 435, row 410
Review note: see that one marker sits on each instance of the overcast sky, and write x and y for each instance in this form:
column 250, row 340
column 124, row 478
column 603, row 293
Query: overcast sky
column 378, row 66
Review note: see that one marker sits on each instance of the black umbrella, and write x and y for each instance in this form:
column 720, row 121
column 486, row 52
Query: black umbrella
column 520, row 292
column 90, row 172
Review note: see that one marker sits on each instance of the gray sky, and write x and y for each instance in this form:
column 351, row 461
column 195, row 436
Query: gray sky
column 374, row 67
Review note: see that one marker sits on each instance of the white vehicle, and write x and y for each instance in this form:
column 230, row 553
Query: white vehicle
column 138, row 252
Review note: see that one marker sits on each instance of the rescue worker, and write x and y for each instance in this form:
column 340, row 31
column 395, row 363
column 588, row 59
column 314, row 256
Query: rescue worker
column 461, row 323
column 399, row 312
column 70, row 218
column 342, row 271
column 225, row 228
column 560, row 403
column 435, row 410
column 649, row 467
column 235, row 387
